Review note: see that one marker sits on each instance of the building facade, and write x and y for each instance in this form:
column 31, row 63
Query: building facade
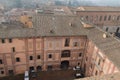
column 51, row 45
column 40, row 54
column 99, row 16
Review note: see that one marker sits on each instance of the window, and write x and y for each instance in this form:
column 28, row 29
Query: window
column 50, row 56
column 96, row 72
column 91, row 66
column 109, row 18
column 100, row 18
column 1, row 61
column 75, row 44
column 99, row 62
column 13, row 49
column 17, row 59
column 10, row 40
column 31, row 57
column 117, row 30
column 2, row 72
column 49, row 67
column 30, row 17
column 65, row 53
column 118, row 17
column 38, row 57
column 3, row 40
column 86, row 58
column 106, row 29
column 25, row 22
column 80, row 54
column 86, row 17
column 114, row 17
column 67, row 41
column 105, row 17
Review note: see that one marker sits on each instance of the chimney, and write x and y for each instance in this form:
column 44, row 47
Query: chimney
column 87, row 25
column 26, row 20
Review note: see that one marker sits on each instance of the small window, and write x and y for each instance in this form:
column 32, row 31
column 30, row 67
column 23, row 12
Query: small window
column 2, row 72
column 86, row 17
column 50, row 56
column 3, row 40
column 86, row 58
column 38, row 57
column 105, row 18
column 30, row 17
column 117, row 30
column 1, row 61
column 75, row 44
column 67, row 41
column 109, row 18
column 31, row 57
column 25, row 22
column 49, row 67
column 118, row 17
column 13, row 49
column 106, row 29
column 10, row 40
column 80, row 54
column 96, row 72
column 99, row 62
column 100, row 18
column 17, row 59
column 91, row 66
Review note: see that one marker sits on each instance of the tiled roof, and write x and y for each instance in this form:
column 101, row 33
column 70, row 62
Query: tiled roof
column 45, row 25
column 110, row 46
column 97, row 8
column 51, row 25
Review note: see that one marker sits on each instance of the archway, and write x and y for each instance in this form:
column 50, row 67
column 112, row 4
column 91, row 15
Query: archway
column 64, row 65
column 31, row 68
column 39, row 68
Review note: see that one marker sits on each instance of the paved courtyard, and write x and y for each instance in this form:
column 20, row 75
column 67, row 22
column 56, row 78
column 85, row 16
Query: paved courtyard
column 47, row 75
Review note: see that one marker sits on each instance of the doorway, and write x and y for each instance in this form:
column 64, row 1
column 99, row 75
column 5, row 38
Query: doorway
column 64, row 65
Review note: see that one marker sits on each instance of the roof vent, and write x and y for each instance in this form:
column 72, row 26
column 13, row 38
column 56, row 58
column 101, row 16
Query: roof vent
column 105, row 35
column 70, row 24
column 52, row 31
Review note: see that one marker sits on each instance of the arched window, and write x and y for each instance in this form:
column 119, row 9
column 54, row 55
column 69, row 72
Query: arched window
column 65, row 53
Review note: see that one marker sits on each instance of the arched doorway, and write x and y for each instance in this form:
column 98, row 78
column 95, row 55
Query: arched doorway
column 31, row 68
column 39, row 68
column 64, row 65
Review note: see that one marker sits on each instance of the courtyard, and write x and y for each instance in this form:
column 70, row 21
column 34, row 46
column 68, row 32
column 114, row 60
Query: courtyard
column 47, row 75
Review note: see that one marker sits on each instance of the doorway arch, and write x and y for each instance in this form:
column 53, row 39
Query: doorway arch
column 64, row 64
